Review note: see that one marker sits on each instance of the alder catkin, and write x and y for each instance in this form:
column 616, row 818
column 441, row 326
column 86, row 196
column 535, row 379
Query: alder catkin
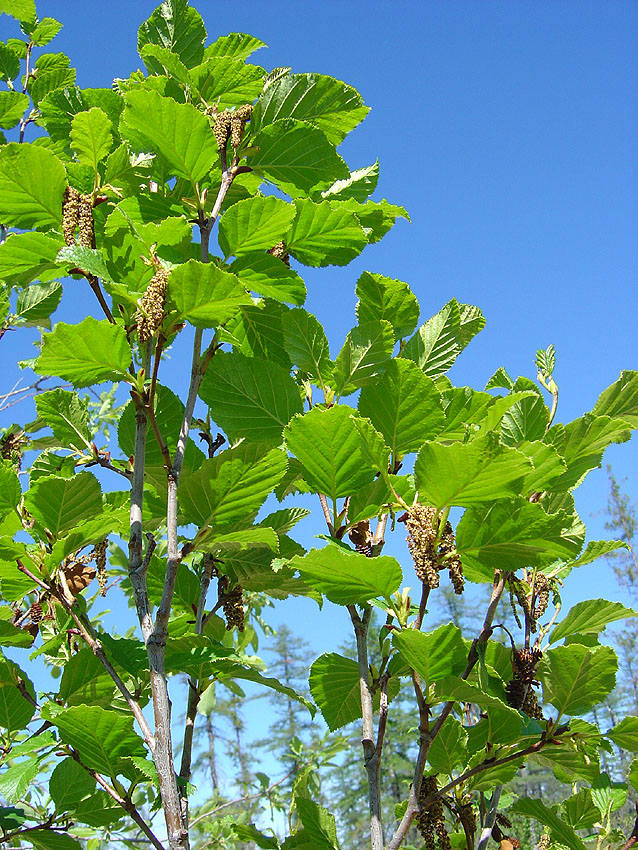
column 149, row 317
column 541, row 591
column 222, row 129
column 421, row 538
column 70, row 214
column 426, row 821
column 544, row 842
column 99, row 553
column 233, row 606
column 238, row 120
column 86, row 225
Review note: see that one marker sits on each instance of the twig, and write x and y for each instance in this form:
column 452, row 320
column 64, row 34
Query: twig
column 425, row 592
column 490, row 818
column 245, row 799
column 633, row 838
column 326, row 514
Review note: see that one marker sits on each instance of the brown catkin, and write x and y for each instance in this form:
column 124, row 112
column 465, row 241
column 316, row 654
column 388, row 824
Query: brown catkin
column 426, row 818
column 541, row 591
column 222, row 129
column 86, row 224
column 515, row 693
column 99, row 553
column 70, row 214
column 455, row 572
column 151, row 313
column 544, row 842
column 531, row 706
column 524, row 663
column 11, row 449
column 281, row 252
column 238, row 120
column 503, row 820
column 421, row 539
column 233, row 606
column 468, row 816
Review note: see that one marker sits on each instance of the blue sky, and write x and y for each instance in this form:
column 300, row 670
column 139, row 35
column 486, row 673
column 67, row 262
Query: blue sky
column 508, row 130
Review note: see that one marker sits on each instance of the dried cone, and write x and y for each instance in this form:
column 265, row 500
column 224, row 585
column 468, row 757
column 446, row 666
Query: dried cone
column 149, row 317
column 78, row 575
column 70, row 214
column 361, row 536
column 281, row 252
column 86, row 225
column 35, row 612
column 233, row 606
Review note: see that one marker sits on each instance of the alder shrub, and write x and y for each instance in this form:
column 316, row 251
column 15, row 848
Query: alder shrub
column 122, row 192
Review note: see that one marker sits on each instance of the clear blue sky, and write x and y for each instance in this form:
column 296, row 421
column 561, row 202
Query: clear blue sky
column 508, row 130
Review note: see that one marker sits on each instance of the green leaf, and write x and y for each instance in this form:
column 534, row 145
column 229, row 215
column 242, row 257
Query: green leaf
column 625, row 734
column 468, row 474
column 318, row 823
column 100, row 809
column 9, row 63
column 596, row 549
column 235, row 45
column 177, row 27
column 328, row 445
column 45, row 31
column 10, row 491
column 85, row 681
column 268, row 276
column 69, row 784
column 89, row 353
column 364, row 356
column 320, row 100
column 499, row 379
column 449, row 748
column 250, row 398
column 434, row 655
column 15, row 710
column 582, row 444
column 376, row 217
column 66, row 415
column 253, row 224
column 384, row 298
column 17, row 779
column 11, row 817
column 294, row 152
column 13, row 105
column 160, row 60
column 608, row 796
column 525, row 420
column 548, row 465
column 91, row 136
column 257, row 331
column 49, row 80
column 32, row 181
column 345, row 577
column 620, row 400
column 334, row 685
column 204, row 294
column 560, row 831
column 369, row 501
column 104, row 739
column 35, row 304
column 511, row 535
column 437, row 343
column 226, row 82
column 323, row 236
column 575, row 678
column 177, row 132
column 60, row 504
column 88, row 259
column 590, row 618
column 11, row 635
column 404, row 405
column 231, row 486
column 27, row 256
column 307, row 346
column 358, row 186
column 580, row 811
column 249, row 832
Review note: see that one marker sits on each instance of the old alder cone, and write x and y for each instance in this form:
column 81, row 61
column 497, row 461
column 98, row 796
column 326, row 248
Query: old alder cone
column 110, row 193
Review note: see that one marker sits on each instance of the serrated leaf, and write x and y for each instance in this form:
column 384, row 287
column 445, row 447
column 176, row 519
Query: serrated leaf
column 10, row 491
column 364, row 356
column 384, row 298
column 257, row 331
column 449, row 748
column 323, row 236
column 295, row 153
column 16, row 780
column 231, row 486
column 11, row 635
column 177, row 132
column 32, row 181
column 104, row 739
column 582, row 444
column 48, row 80
column 12, row 817
column 35, row 304
column 88, row 259
column 625, row 734
column 511, row 535
column 404, row 405
column 575, row 678
column 590, row 617
column 91, row 136
column 85, row 681
column 580, row 811
column 268, row 276
column 328, row 445
column 66, row 415
column 100, row 809
column 69, row 784
column 13, row 105
column 204, row 294
column 15, row 710
column 254, row 224
column 250, row 398
column 548, row 465
column 561, row 832
column 346, row 577
column 433, row 655
column 376, row 217
column 60, row 504
column 307, row 346
column 468, row 474
column 249, row 832
column 45, row 31
column 526, row 419
column 9, row 62
column 235, row 45
column 499, row 379
column 91, row 352
column 322, row 101
column 358, row 186
column 227, row 82
column 22, row 10
column 177, row 27
column 438, row 342
column 160, row 60
column 620, row 400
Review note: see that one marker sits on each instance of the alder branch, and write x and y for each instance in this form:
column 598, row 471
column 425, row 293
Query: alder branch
column 490, row 818
column 633, row 838
column 244, row 799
